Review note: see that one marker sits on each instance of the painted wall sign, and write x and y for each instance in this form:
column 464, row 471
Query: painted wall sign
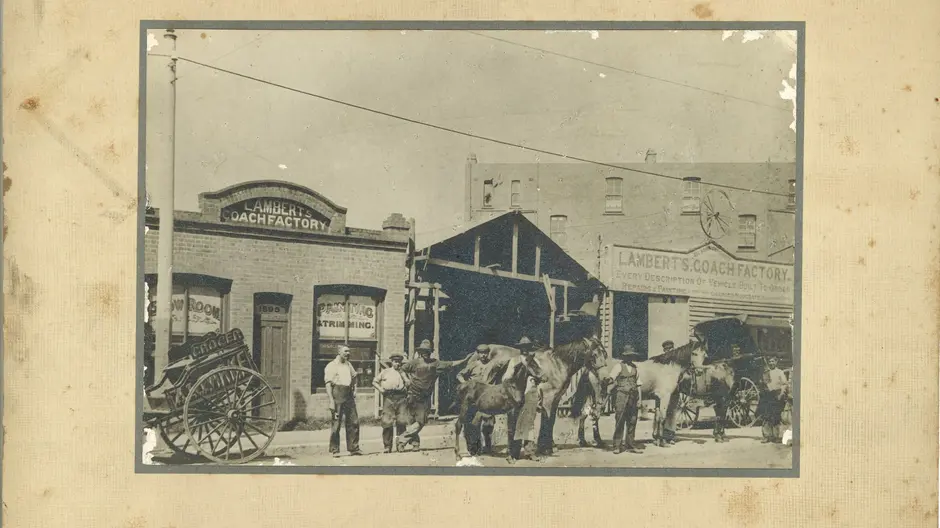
column 707, row 272
column 334, row 313
column 275, row 212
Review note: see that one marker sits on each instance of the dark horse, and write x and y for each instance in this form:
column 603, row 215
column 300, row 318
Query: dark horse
column 557, row 366
column 505, row 398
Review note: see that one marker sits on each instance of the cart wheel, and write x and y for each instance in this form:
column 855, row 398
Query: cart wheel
column 173, row 433
column 231, row 415
column 687, row 414
column 742, row 410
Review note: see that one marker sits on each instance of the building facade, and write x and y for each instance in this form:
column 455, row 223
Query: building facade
column 277, row 261
column 646, row 229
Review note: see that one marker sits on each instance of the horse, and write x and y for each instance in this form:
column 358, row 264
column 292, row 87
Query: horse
column 505, row 398
column 558, row 365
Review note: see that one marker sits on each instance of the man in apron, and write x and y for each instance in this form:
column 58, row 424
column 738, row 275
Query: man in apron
column 340, row 376
column 772, row 401
column 625, row 393
column 391, row 383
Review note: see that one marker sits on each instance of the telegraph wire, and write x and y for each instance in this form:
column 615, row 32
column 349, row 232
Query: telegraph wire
column 632, row 72
column 468, row 134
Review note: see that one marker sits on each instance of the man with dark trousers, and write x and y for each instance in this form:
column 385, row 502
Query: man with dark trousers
column 422, row 372
column 624, row 378
column 391, row 383
column 340, row 377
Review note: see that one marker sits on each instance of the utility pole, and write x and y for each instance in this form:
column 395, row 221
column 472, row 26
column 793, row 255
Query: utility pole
column 161, row 161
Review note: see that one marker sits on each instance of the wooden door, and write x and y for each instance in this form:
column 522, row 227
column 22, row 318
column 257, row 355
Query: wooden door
column 273, row 356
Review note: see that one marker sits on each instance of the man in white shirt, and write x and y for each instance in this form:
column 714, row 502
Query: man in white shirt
column 391, row 384
column 340, row 377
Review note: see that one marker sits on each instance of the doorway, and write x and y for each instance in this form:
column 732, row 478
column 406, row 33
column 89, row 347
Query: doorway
column 272, row 348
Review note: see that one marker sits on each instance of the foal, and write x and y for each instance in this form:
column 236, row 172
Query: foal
column 507, row 398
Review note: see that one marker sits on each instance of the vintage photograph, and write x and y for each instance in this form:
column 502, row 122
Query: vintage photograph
column 470, row 248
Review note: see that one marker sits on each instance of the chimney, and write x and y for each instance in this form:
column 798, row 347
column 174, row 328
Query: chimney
column 397, row 226
column 650, row 156
column 468, row 188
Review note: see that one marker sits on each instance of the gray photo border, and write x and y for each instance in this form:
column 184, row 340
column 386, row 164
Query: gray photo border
column 794, row 472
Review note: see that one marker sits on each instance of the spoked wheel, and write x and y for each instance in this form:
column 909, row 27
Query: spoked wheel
column 687, row 414
column 742, row 409
column 231, row 415
column 173, row 433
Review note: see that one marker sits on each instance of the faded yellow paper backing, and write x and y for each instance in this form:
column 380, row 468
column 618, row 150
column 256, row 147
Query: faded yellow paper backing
column 871, row 289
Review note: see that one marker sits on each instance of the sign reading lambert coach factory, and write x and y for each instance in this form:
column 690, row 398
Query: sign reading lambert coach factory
column 334, row 314
column 275, row 212
column 707, row 272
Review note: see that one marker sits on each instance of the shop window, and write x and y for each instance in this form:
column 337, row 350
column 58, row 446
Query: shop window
column 347, row 315
column 747, row 232
column 559, row 229
column 614, row 196
column 515, row 196
column 791, row 195
column 488, row 193
column 691, row 196
column 199, row 305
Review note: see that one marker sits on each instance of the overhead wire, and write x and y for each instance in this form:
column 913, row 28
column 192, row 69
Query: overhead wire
column 469, row 134
column 631, row 72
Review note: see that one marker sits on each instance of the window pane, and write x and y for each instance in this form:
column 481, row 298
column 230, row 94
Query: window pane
column 614, row 204
column 331, row 316
column 205, row 310
column 362, row 318
column 178, row 317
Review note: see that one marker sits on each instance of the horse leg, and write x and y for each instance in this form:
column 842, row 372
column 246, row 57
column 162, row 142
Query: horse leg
column 458, row 423
column 581, row 440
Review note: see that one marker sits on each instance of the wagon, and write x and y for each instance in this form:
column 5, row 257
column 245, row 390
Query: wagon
column 211, row 401
column 733, row 340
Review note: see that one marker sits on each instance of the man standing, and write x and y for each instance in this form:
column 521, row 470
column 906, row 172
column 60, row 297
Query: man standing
column 475, row 370
column 772, row 401
column 422, row 372
column 391, row 383
column 626, row 394
column 340, row 377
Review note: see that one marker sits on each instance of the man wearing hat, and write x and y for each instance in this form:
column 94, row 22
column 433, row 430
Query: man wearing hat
column 340, row 377
column 476, row 370
column 391, row 384
column 422, row 372
column 625, row 392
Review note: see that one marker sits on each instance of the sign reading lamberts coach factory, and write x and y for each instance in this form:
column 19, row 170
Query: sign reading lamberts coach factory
column 275, row 212
column 707, row 272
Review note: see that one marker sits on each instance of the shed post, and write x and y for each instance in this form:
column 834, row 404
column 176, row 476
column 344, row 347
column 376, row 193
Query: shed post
column 515, row 245
column 437, row 343
column 550, row 293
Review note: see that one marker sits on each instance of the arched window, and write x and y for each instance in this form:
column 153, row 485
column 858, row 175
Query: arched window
column 559, row 229
column 614, row 196
column 199, row 305
column 347, row 314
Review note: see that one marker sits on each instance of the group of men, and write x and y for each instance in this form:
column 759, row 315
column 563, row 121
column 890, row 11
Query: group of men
column 407, row 388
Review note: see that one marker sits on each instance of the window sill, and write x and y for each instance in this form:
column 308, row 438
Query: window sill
column 610, row 213
column 747, row 249
column 691, row 213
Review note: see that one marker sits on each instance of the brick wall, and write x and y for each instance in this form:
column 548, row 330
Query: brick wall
column 295, row 268
column 652, row 206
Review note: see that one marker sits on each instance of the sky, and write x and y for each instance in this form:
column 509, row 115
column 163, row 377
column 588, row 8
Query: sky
column 608, row 96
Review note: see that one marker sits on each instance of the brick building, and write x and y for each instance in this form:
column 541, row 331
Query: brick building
column 277, row 261
column 647, row 236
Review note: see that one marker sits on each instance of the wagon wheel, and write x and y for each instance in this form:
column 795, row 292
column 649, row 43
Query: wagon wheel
column 173, row 433
column 687, row 414
column 230, row 415
column 742, row 409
